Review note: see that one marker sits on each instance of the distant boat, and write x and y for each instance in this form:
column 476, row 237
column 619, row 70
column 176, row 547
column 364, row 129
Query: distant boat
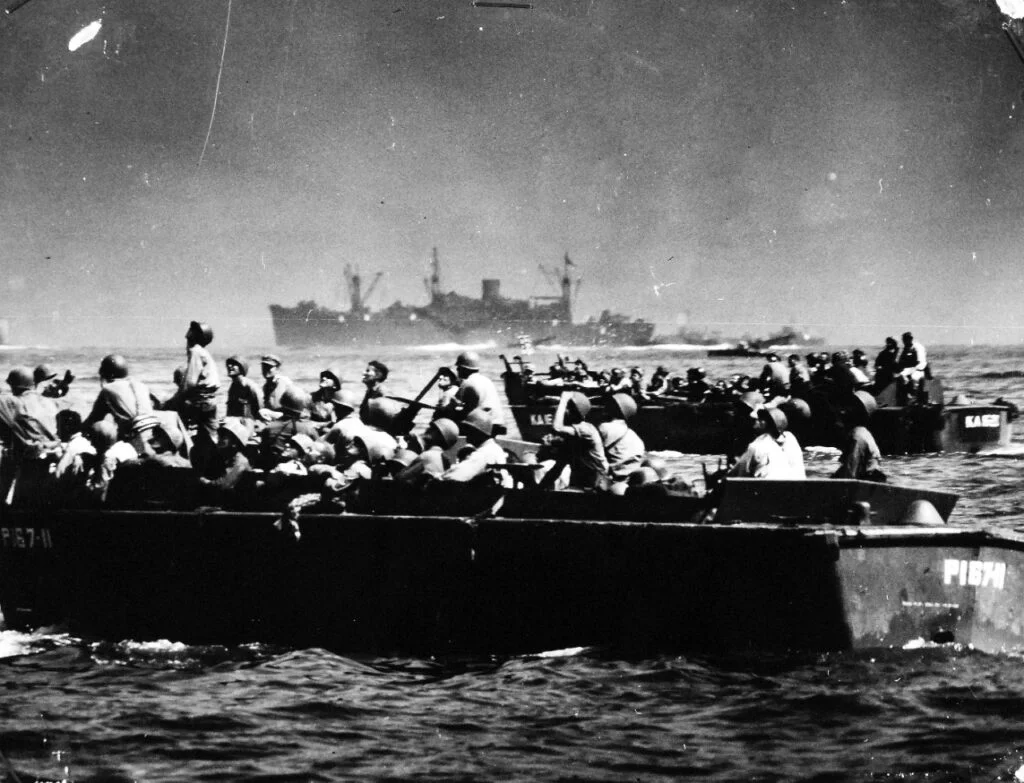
column 452, row 317
column 786, row 338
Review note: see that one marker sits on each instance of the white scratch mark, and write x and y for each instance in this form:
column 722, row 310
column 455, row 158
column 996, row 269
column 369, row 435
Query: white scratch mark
column 83, row 36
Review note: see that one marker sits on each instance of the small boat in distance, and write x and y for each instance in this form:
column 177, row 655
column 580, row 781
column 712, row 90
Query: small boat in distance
column 786, row 338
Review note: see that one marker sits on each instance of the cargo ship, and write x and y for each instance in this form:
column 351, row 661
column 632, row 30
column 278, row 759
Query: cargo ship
column 452, row 317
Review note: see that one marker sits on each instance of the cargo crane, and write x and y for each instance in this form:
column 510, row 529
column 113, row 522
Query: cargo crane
column 356, row 297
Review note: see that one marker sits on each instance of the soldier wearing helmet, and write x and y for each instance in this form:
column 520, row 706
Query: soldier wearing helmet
column 765, row 456
column 321, row 409
column 578, row 444
column 440, row 436
column 121, row 397
column 244, row 395
column 476, row 391
column 275, row 438
column 774, row 379
column 860, row 457
column 28, row 421
column 697, row 387
column 478, row 429
column 196, row 398
column 659, row 382
column 448, row 386
column 623, row 448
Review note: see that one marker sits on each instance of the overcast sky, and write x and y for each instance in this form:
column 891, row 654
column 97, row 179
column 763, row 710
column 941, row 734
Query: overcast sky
column 851, row 166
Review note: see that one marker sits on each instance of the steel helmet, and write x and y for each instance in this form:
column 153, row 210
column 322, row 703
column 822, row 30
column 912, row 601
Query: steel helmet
column 332, row 373
column 43, row 373
column 625, row 404
column 385, row 414
column 775, row 419
column 202, row 333
column 20, row 379
column 796, row 409
column 581, row 403
column 478, row 422
column 294, row 401
column 468, row 360
column 863, row 405
column 344, row 401
column 447, row 432
column 235, row 428
column 113, row 366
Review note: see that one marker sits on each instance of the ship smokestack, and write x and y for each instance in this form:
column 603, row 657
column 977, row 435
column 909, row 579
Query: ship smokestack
column 491, row 290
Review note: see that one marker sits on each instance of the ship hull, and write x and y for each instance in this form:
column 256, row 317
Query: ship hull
column 296, row 327
column 428, row 583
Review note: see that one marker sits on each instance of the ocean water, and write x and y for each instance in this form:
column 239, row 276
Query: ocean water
column 122, row 709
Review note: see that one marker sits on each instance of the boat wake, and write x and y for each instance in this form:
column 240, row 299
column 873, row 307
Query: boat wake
column 16, row 643
column 439, row 347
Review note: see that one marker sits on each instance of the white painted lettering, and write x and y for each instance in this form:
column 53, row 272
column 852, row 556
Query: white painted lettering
column 982, row 421
column 19, row 538
column 5, row 536
column 976, row 573
column 950, row 568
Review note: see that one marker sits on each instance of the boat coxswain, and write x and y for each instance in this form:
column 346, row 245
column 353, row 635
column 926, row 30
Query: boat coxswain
column 770, row 455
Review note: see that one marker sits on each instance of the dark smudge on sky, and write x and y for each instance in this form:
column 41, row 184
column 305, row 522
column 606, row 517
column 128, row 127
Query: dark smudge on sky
column 849, row 166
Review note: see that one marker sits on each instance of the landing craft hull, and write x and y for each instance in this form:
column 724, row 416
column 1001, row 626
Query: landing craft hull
column 675, row 424
column 436, row 584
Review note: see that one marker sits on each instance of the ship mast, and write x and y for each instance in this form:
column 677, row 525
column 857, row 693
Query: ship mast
column 435, row 277
column 567, row 288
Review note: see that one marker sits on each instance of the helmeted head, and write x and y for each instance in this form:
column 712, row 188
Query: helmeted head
column 862, row 407
column 890, row 342
column 386, row 415
column 477, row 426
column 623, row 405
column 580, row 405
column 908, row 338
column 773, row 420
column 446, row 377
column 20, row 380
column 696, row 373
column 233, row 433
column 618, row 374
column 661, row 371
column 236, row 365
column 467, row 363
column 295, row 403
column 443, row 432
column 112, row 367
column 797, row 411
column 330, row 377
column 840, row 359
column 43, row 373
column 199, row 333
column 345, row 401
column 303, row 444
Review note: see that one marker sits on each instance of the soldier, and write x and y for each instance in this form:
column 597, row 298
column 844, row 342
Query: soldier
column 121, row 397
column 476, row 390
column 245, row 398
